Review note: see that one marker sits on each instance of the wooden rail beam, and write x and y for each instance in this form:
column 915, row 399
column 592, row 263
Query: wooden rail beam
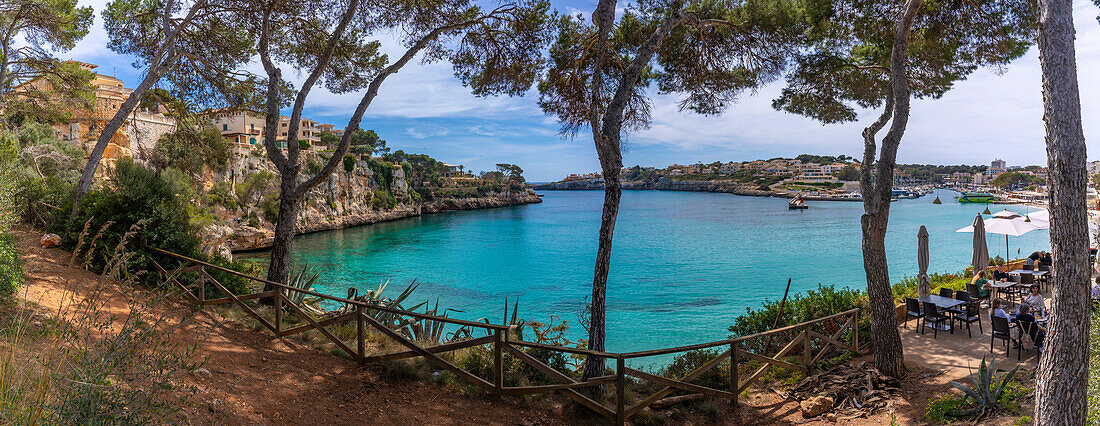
column 225, row 300
column 786, row 350
column 667, row 389
column 317, row 325
column 679, row 384
column 528, row 390
column 434, row 349
column 172, row 279
column 206, row 277
column 560, row 377
column 773, row 361
column 322, row 323
column 431, row 357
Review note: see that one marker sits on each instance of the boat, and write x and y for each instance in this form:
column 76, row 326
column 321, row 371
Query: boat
column 797, row 204
column 975, row 197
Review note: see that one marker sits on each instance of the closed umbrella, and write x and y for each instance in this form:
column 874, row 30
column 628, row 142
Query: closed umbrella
column 924, row 285
column 980, row 259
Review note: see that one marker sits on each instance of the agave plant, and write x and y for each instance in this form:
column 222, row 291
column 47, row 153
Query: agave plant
column 986, row 388
column 430, row 331
column 390, row 319
column 302, row 280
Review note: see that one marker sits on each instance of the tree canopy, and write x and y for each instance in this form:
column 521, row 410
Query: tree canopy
column 31, row 31
column 848, row 62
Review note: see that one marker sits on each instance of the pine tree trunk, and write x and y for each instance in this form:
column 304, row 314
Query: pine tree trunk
column 885, row 340
column 1060, row 397
column 613, row 191
column 285, row 228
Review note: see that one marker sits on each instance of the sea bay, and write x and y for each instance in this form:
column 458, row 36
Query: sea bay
column 684, row 264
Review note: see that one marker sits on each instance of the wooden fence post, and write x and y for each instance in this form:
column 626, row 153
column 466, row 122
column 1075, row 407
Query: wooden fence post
column 620, row 390
column 279, row 316
column 498, row 363
column 361, row 333
column 806, row 356
column 855, row 330
column 202, row 287
column 734, row 374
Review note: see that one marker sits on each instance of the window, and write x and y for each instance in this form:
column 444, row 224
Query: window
column 251, row 141
column 225, row 127
column 252, row 126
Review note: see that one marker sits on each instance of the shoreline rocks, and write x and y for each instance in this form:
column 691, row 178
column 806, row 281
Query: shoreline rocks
column 247, row 238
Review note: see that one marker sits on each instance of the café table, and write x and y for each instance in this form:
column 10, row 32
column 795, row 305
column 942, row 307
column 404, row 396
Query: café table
column 1000, row 286
column 943, row 303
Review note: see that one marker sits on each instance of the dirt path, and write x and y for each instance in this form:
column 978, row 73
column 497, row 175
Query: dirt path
column 256, row 378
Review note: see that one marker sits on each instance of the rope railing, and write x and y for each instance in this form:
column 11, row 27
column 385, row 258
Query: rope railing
column 845, row 337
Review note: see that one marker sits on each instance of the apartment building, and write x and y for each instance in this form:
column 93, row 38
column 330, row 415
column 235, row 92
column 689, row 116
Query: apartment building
column 245, row 128
column 138, row 134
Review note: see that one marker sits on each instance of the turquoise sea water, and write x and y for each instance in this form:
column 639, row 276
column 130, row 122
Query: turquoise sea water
column 684, row 264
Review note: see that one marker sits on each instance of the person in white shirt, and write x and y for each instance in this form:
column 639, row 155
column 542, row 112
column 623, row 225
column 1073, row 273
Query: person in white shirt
column 1035, row 299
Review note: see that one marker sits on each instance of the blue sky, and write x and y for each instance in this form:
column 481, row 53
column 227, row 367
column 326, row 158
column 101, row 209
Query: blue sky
column 424, row 109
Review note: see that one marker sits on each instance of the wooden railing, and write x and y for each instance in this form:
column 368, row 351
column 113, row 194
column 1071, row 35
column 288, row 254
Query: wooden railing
column 824, row 332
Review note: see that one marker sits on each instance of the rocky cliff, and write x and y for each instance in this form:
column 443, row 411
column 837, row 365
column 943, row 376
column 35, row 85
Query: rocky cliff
column 346, row 199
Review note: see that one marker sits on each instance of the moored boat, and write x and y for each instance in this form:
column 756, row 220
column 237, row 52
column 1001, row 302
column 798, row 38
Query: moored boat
column 797, row 204
column 975, row 197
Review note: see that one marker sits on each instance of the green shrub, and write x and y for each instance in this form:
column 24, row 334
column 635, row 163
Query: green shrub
column 800, row 307
column 304, row 145
column 313, row 166
column 383, row 200
column 717, row 377
column 138, row 194
column 269, row 206
column 221, row 194
column 349, row 162
column 942, row 408
column 11, row 268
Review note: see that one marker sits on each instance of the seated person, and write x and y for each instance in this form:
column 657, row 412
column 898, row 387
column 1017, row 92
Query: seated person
column 1046, row 260
column 982, row 283
column 996, row 311
column 1033, row 258
column 998, row 275
column 1027, row 324
column 1096, row 289
column 1034, row 298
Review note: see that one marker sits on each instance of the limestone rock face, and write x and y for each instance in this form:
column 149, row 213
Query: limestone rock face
column 215, row 240
column 344, row 199
column 246, row 237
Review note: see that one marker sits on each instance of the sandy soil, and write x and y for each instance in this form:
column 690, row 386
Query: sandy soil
column 256, row 378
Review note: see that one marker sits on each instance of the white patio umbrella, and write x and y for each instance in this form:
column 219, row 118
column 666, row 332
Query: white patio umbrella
column 1006, row 223
column 1041, row 219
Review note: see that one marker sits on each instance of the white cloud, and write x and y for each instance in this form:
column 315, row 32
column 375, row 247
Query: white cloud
column 421, row 133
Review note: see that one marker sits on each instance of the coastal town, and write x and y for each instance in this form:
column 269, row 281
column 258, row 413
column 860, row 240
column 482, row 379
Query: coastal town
column 833, row 178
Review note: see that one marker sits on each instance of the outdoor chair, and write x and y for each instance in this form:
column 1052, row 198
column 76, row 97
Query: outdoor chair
column 1001, row 331
column 974, row 292
column 913, row 310
column 964, row 296
column 970, row 314
column 932, row 314
column 1027, row 267
column 946, row 292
